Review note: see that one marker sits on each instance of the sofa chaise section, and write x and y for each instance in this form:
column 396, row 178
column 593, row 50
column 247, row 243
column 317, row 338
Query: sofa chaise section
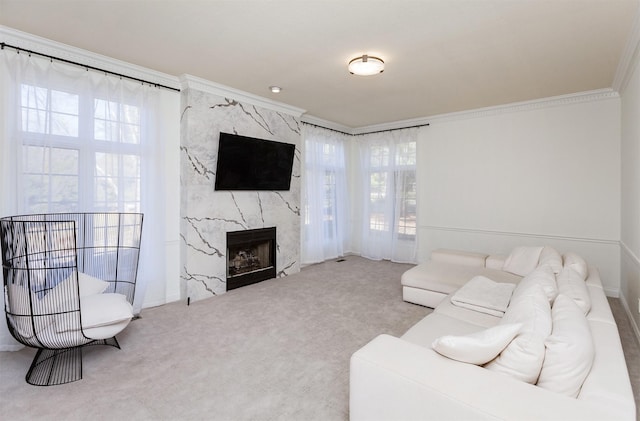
column 429, row 283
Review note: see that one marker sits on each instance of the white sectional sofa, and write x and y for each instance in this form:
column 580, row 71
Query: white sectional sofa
column 406, row 379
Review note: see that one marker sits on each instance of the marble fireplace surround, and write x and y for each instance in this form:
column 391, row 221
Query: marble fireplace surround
column 207, row 215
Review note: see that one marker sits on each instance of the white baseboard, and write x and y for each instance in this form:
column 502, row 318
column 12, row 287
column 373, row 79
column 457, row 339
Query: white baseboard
column 11, row 348
column 169, row 299
column 632, row 320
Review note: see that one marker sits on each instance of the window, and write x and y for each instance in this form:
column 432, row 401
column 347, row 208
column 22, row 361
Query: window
column 389, row 186
column 324, row 195
column 62, row 130
column 392, row 172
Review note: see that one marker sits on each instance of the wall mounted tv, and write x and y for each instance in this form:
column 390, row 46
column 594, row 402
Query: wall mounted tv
column 247, row 163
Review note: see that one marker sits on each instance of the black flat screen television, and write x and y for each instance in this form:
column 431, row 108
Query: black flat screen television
column 247, row 163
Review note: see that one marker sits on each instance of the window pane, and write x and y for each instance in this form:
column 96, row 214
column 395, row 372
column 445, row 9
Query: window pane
column 116, row 122
column 36, row 192
column 64, row 102
column 64, row 161
column 117, row 181
column 64, row 124
column 378, row 193
column 379, row 156
column 35, row 159
column 34, row 121
column 51, row 176
column 53, row 112
column 406, row 153
column 64, row 189
column 407, row 203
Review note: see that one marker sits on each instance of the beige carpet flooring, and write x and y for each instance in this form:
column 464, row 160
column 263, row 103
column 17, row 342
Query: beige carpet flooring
column 277, row 350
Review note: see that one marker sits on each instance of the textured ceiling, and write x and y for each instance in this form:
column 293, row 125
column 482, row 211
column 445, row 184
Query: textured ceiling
column 441, row 55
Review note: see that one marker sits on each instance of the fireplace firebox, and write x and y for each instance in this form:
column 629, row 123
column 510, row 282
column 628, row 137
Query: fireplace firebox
column 251, row 256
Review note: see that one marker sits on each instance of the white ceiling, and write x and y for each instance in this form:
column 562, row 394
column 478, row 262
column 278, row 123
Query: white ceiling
column 441, row 55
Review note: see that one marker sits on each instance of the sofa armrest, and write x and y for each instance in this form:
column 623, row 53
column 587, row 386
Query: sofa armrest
column 393, row 379
column 458, row 257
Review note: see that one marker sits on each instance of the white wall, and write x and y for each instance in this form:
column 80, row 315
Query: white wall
column 630, row 215
column 532, row 174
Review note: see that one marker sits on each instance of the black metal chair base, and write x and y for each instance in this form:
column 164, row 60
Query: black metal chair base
column 52, row 367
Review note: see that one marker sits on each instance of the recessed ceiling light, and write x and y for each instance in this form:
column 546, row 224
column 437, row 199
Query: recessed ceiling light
column 366, row 65
column 275, row 89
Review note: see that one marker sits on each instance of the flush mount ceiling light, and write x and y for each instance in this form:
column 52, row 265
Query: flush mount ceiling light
column 366, row 65
column 275, row 89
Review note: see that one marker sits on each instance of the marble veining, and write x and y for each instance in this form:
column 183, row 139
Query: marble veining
column 207, row 215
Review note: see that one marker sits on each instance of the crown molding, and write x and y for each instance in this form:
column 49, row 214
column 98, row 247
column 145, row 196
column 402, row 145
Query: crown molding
column 555, row 101
column 317, row 121
column 194, row 82
column 53, row 48
column 536, row 104
column 629, row 60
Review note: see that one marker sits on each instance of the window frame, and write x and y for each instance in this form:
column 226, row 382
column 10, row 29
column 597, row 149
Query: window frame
column 88, row 149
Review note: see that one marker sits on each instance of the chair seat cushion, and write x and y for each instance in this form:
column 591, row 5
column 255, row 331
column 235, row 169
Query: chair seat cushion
column 101, row 310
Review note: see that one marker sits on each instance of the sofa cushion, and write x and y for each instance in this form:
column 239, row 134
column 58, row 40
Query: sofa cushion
column 577, row 263
column 522, row 358
column 447, row 308
column 571, row 284
column 477, row 348
column 522, row 260
column 435, row 325
column 543, row 276
column 484, row 295
column 569, row 350
column 550, row 256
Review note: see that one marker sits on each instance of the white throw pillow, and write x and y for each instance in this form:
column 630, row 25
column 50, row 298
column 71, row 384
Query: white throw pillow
column 550, row 256
column 571, row 284
column 479, row 347
column 90, row 285
column 100, row 310
column 569, row 350
column 522, row 260
column 63, row 296
column 522, row 358
column 543, row 276
column 576, row 263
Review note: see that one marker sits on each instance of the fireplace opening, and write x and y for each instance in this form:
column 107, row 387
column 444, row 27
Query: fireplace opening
column 251, row 256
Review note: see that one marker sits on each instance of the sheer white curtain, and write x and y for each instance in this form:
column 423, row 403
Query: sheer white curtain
column 388, row 162
column 324, row 195
column 75, row 140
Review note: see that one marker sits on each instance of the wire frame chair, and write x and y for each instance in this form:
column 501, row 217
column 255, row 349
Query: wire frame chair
column 43, row 257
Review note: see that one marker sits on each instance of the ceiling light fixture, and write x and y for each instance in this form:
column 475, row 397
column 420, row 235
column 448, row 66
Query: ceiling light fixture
column 366, row 65
column 275, row 89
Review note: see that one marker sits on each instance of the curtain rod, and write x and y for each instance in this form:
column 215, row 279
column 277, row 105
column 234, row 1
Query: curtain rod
column 362, row 134
column 86, row 66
